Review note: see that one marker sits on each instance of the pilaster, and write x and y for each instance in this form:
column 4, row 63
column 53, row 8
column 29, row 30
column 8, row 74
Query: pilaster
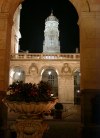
column 89, row 60
column 5, row 39
column 90, row 50
column 66, row 89
column 90, row 107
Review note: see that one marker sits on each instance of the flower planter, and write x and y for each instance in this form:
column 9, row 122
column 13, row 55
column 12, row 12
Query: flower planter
column 31, row 108
column 30, row 123
column 30, row 101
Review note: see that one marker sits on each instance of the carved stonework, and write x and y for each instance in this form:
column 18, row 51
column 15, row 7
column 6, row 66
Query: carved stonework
column 33, row 69
column 30, row 128
column 66, row 69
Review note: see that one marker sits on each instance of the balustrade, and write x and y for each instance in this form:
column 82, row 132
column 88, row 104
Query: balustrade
column 40, row 56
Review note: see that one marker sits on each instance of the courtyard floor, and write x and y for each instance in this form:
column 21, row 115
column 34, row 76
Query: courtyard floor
column 68, row 127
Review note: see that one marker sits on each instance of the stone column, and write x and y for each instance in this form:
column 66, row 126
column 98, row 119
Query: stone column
column 5, row 36
column 5, row 33
column 90, row 65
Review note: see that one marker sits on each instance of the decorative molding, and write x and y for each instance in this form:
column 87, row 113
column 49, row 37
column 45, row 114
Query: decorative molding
column 66, row 69
column 33, row 69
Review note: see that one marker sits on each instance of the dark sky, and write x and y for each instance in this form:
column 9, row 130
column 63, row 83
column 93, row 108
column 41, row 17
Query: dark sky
column 33, row 15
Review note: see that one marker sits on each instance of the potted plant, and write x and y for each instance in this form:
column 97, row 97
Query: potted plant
column 31, row 101
column 29, row 98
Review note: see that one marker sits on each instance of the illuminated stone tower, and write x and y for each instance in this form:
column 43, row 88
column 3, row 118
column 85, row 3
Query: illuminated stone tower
column 51, row 33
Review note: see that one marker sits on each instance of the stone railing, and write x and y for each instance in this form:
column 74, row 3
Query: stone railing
column 39, row 56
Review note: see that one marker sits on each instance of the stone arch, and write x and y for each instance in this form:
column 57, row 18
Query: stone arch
column 48, row 67
column 21, row 66
column 11, row 5
column 75, row 69
column 13, row 74
column 50, row 75
column 82, row 5
column 13, row 67
column 7, row 9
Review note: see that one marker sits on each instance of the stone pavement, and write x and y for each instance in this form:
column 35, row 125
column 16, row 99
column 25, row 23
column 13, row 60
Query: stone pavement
column 63, row 129
column 68, row 127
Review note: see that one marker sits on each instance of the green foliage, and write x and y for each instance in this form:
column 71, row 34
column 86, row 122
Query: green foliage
column 28, row 92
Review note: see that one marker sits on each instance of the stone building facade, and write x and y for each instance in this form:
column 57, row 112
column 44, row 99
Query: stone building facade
column 34, row 65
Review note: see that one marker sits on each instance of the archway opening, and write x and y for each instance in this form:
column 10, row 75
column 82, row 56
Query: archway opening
column 32, row 25
column 29, row 15
column 51, row 76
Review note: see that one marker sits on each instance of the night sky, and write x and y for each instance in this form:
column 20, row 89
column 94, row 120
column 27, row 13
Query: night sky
column 32, row 24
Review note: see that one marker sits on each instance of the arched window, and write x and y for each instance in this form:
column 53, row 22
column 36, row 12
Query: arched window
column 51, row 76
column 17, row 74
column 51, row 79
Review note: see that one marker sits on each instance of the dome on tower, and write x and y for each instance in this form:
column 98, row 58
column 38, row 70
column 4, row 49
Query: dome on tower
column 51, row 18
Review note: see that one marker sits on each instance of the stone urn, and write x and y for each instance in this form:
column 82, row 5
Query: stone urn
column 30, row 108
column 30, row 123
